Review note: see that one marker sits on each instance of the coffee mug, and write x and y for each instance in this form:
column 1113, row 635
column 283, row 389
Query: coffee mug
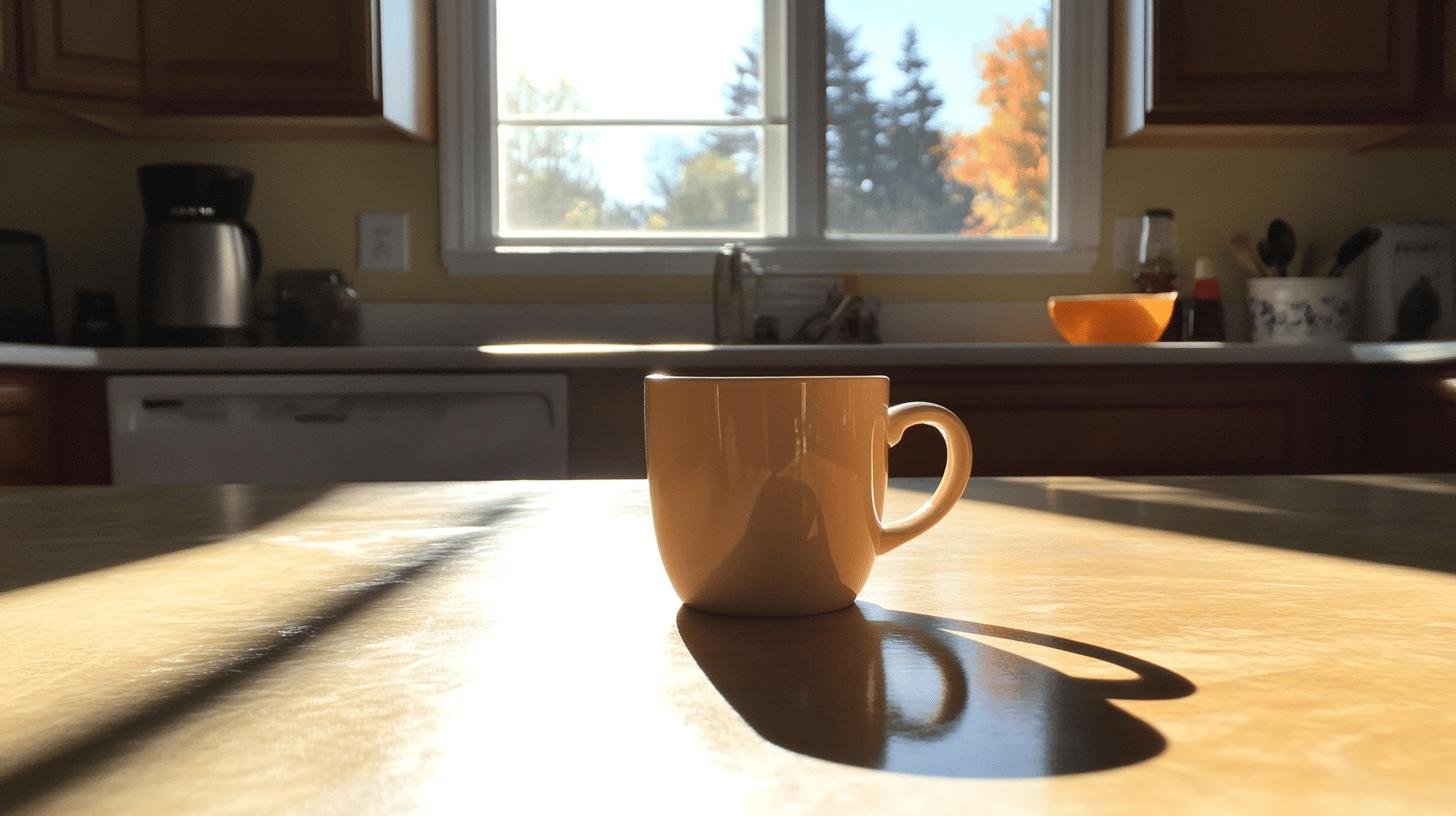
column 768, row 493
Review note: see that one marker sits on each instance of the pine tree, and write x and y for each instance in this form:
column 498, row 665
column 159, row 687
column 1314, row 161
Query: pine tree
column 854, row 165
column 922, row 198
column 885, row 156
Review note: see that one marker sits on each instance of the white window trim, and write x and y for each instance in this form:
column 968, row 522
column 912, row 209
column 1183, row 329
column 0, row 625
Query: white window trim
column 468, row 246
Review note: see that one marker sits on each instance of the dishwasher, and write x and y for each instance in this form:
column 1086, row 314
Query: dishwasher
column 309, row 429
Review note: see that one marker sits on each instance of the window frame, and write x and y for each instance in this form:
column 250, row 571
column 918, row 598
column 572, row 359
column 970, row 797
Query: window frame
column 469, row 245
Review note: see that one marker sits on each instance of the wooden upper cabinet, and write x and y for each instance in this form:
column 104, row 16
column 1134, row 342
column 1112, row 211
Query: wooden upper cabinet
column 88, row 48
column 9, row 46
column 1296, row 61
column 224, row 68
column 1278, row 72
column 261, row 57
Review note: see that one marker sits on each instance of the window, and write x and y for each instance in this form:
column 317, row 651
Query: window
column 921, row 135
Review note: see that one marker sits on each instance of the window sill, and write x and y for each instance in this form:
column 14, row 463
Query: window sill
column 871, row 259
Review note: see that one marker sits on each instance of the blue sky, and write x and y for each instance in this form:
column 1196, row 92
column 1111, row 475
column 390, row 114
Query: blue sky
column 631, row 58
column 951, row 32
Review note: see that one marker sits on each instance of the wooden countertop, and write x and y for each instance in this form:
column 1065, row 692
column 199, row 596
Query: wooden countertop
column 1192, row 645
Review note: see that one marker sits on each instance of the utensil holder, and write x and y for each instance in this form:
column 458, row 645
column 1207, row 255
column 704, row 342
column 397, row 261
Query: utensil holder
column 1301, row 310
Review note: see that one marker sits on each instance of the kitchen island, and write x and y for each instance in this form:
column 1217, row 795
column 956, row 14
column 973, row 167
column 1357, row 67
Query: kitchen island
column 1188, row 645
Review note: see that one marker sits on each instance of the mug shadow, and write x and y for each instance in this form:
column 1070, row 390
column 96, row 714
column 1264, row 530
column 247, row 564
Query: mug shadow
column 909, row 693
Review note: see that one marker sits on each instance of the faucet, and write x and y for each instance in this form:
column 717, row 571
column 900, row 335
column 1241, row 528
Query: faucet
column 735, row 293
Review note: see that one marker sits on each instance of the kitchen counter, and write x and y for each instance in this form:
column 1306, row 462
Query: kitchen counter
column 1188, row 645
column 670, row 356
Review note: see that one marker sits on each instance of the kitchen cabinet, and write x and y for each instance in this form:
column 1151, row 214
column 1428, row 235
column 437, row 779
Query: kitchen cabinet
column 262, row 57
column 9, row 47
column 1108, row 420
column 82, row 47
column 26, row 434
column 53, row 428
column 221, row 69
column 1242, row 72
column 1412, row 420
column 1121, row 420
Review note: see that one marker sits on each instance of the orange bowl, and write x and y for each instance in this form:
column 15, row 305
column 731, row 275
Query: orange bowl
column 1129, row 318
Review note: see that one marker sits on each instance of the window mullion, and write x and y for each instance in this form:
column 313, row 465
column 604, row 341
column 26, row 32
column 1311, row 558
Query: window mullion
column 491, row 114
column 806, row 182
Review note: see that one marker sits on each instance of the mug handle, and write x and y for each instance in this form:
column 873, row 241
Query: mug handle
column 952, row 482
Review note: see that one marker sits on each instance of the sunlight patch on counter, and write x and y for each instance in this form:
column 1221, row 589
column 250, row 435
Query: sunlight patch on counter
column 590, row 348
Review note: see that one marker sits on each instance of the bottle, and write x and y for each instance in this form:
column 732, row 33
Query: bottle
column 1157, row 252
column 1158, row 265
column 1205, row 317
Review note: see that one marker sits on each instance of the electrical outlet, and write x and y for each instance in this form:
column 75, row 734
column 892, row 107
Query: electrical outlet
column 1126, row 234
column 383, row 244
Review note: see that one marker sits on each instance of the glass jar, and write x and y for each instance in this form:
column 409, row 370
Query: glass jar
column 1157, row 252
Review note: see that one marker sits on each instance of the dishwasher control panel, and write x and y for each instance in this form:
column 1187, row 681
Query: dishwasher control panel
column 311, row 429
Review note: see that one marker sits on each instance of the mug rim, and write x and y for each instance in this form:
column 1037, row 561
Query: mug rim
column 772, row 377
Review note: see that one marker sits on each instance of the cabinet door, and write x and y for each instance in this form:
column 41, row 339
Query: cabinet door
column 9, row 46
column 83, row 47
column 1412, row 420
column 1290, row 61
column 27, row 455
column 261, row 57
column 1137, row 420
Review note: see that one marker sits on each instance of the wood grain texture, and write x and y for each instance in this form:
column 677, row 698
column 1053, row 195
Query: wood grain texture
column 89, row 48
column 1049, row 420
column 271, row 57
column 27, row 429
column 1412, row 415
column 9, row 46
column 1197, row 645
column 1292, row 61
column 1245, row 73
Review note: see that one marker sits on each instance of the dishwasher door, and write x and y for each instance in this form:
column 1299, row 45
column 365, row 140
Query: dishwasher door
column 305, row 429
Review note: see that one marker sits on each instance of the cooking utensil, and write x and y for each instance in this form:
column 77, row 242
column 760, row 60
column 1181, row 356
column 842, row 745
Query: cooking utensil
column 1296, row 264
column 1243, row 250
column 1282, row 245
column 1266, row 256
column 1308, row 260
column 1353, row 248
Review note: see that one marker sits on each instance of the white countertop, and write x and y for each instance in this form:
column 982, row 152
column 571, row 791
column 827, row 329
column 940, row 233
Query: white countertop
column 697, row 356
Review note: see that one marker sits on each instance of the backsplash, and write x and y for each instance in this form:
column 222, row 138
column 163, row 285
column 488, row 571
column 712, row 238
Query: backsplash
column 81, row 195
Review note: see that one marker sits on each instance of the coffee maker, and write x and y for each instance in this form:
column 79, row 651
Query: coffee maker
column 200, row 259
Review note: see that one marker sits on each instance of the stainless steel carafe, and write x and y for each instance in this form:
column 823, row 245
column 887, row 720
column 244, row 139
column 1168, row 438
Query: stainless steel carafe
column 199, row 257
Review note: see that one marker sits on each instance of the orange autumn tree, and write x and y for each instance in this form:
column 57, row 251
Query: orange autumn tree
column 1006, row 162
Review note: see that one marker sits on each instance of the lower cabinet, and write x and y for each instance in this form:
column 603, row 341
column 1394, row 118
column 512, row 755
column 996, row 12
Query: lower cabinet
column 1113, row 420
column 1024, row 421
column 1411, row 420
column 1144, row 420
column 53, row 428
column 27, row 438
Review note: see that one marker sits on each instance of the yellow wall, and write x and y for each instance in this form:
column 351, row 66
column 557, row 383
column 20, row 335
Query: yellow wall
column 81, row 195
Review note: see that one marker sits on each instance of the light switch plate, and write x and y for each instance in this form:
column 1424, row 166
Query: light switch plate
column 1126, row 233
column 383, row 242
